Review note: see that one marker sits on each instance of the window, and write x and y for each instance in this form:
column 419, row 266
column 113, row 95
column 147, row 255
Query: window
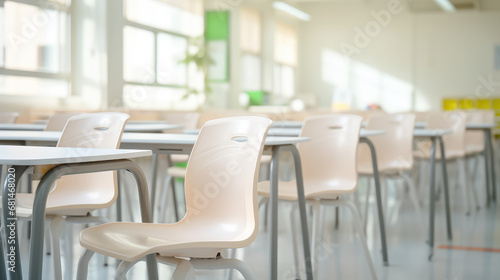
column 285, row 44
column 285, row 58
column 284, row 81
column 250, row 72
column 34, row 54
column 2, row 47
column 138, row 55
column 172, row 49
column 155, row 40
column 250, row 44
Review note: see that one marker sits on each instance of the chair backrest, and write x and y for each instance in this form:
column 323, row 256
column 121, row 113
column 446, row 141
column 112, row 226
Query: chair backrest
column 57, row 121
column 89, row 131
column 330, row 156
column 189, row 120
column 488, row 116
column 8, row 117
column 222, row 175
column 475, row 138
column 395, row 147
column 454, row 120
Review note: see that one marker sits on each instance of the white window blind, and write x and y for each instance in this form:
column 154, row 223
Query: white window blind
column 250, row 30
column 285, row 44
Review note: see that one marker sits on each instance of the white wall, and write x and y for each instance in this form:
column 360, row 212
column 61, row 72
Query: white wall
column 420, row 57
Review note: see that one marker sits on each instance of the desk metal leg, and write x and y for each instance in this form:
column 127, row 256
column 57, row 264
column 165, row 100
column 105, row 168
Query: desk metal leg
column 273, row 203
column 119, row 199
column 14, row 268
column 39, row 204
column 489, row 145
column 302, row 208
column 153, row 180
column 378, row 194
column 3, row 272
column 432, row 199
column 273, row 200
column 445, row 187
column 487, row 166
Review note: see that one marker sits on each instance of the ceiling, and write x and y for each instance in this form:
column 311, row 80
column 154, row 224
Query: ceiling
column 417, row 6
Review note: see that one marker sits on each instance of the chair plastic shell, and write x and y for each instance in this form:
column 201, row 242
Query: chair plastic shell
column 328, row 160
column 8, row 117
column 394, row 148
column 454, row 143
column 57, row 122
column 77, row 195
column 221, row 199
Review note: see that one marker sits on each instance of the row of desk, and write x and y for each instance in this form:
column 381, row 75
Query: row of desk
column 78, row 161
column 75, row 160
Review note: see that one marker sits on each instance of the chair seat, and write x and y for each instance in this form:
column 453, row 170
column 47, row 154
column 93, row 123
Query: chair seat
column 177, row 158
column 388, row 168
column 315, row 189
column 265, row 159
column 177, row 172
column 131, row 241
column 473, row 149
column 63, row 206
column 424, row 152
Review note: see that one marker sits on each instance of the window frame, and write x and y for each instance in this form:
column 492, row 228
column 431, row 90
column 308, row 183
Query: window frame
column 64, row 53
column 280, row 64
column 258, row 54
column 156, row 31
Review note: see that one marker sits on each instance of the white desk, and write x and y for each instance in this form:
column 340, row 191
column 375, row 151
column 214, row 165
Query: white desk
column 129, row 127
column 129, row 121
column 436, row 135
column 489, row 155
column 182, row 144
column 68, row 161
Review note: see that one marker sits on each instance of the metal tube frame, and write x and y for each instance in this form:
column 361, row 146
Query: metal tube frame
column 273, row 200
column 38, row 219
column 379, row 198
column 489, row 158
column 432, row 193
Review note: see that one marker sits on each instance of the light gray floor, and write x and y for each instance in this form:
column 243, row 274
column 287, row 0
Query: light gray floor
column 341, row 255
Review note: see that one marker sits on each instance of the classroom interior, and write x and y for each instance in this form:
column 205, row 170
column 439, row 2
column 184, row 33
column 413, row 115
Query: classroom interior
column 249, row 139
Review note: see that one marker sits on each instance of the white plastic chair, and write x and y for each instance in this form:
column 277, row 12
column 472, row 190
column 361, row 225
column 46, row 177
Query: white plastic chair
column 75, row 197
column 329, row 171
column 394, row 154
column 455, row 150
column 8, row 117
column 221, row 200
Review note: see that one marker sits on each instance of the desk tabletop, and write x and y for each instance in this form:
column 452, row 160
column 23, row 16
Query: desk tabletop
column 431, row 132
column 135, row 138
column 129, row 127
column 468, row 126
column 287, row 124
column 190, row 139
column 295, row 132
column 35, row 155
column 473, row 126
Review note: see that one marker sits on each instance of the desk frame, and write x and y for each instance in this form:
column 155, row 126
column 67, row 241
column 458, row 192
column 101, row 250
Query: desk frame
column 38, row 217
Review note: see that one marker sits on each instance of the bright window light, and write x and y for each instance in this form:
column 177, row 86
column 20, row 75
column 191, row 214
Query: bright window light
column 445, row 5
column 291, row 10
